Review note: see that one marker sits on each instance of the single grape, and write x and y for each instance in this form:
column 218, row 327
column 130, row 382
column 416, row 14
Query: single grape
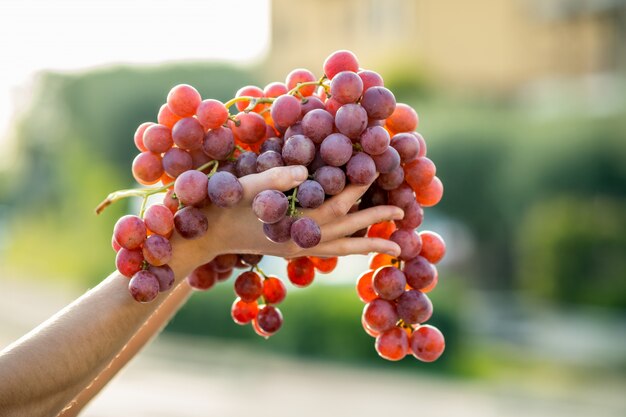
column 324, row 265
column 219, row 143
column 413, row 216
column 225, row 190
column 380, row 315
column 402, row 196
column 317, row 124
column 431, row 194
column 351, row 120
column 246, row 164
column 414, row 307
column 370, row 79
column 144, row 286
column 339, row 61
column 250, row 91
column 381, row 259
column 242, row 312
column 407, row 145
column 251, row 259
column 336, row 149
column 310, row 194
column 393, row 344
column 382, row 230
column 332, row 106
column 433, row 247
column 275, row 89
column 157, row 250
column 391, row 180
column 389, row 282
column 427, row 343
column 272, row 144
column 269, row 319
column 409, row 241
column 130, row 231
column 212, row 114
column 332, row 179
column 309, row 104
column 251, row 129
column 164, row 275
column 183, row 100
column 274, row 291
column 176, row 161
column 138, row 137
column 225, row 262
column 159, row 219
column 346, row 87
column 268, row 160
column 378, row 102
column 191, row 187
column 128, row 262
column 249, row 286
column 166, row 117
column 419, row 172
column 419, row 273
column 433, row 284
column 147, row 168
column 305, row 232
column 190, row 222
column 158, row 138
column 285, row 110
column 188, row 133
column 301, row 75
column 270, row 206
column 300, row 271
column 364, row 288
column 403, row 119
column 202, row 278
column 280, row 231
column 294, row 129
column 387, row 161
column 375, row 140
column 361, row 169
column 298, row 150
column 316, row 164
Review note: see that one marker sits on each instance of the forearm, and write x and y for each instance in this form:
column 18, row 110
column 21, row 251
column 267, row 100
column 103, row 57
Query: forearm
column 48, row 367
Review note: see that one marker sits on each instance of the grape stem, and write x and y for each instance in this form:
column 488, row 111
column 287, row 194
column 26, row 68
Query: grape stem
column 260, row 271
column 145, row 192
column 292, row 202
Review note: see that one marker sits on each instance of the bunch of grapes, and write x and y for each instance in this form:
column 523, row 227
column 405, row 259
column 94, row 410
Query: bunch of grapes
column 346, row 128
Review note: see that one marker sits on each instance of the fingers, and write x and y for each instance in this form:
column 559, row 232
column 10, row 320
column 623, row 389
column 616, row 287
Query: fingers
column 338, row 205
column 346, row 225
column 279, row 178
column 354, row 246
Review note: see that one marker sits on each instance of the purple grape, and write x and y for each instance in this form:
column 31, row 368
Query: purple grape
column 310, row 194
column 378, row 102
column 191, row 187
column 317, row 163
column 375, row 140
column 298, row 150
column 199, row 158
column 225, row 190
column 332, row 179
column 389, row 282
column 317, row 124
column 361, row 169
column 246, row 164
column 409, row 241
column 305, row 232
column 280, row 231
column 413, row 216
column 270, row 206
column 391, row 180
column 219, row 143
column 293, row 130
column 407, row 145
column 285, row 110
column 419, row 272
column 176, row 161
column 310, row 103
column 144, row 286
column 272, row 144
column 414, row 307
column 157, row 250
column 402, row 196
column 336, row 149
column 251, row 259
column 268, row 160
column 346, row 87
column 190, row 222
column 351, row 120
column 387, row 161
column 227, row 166
column 164, row 275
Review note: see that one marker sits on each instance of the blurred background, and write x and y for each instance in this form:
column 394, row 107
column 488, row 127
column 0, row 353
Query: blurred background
column 523, row 106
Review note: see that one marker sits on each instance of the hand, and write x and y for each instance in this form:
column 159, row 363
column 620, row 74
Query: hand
column 237, row 230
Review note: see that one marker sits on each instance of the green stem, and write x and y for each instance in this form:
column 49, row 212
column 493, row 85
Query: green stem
column 292, row 203
column 260, row 271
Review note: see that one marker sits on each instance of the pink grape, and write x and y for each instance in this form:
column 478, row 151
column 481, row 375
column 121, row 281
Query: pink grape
column 188, row 133
column 191, row 187
column 157, row 250
column 361, row 169
column 270, row 206
column 144, row 286
column 190, row 222
column 346, row 87
column 414, row 307
column 305, row 232
column 336, row 149
column 164, row 275
column 159, row 219
column 427, row 343
column 129, row 262
column 130, row 232
column 409, row 241
column 225, row 190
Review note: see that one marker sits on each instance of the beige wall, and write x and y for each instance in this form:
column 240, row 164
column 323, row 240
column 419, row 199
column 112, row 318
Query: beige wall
column 478, row 44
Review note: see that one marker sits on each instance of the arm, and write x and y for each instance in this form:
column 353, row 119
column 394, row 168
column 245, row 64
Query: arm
column 51, row 365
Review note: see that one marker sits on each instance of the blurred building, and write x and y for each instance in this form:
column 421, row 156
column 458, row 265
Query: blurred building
column 498, row 45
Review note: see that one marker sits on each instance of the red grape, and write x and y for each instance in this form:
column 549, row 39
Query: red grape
column 375, row 140
column 159, row 219
column 164, row 275
column 317, row 124
column 300, row 271
column 188, row 133
column 370, row 79
column 176, row 161
column 274, row 291
column 251, row 129
column 190, row 222
column 433, row 247
column 414, row 307
column 128, row 262
column 427, row 343
column 280, row 231
column 147, row 168
column 324, row 265
column 183, row 100
column 301, row 75
column 212, row 113
column 346, row 87
column 248, row 286
column 393, row 344
column 269, row 319
column 382, row 230
column 364, row 287
column 242, row 312
column 310, row 194
column 202, row 278
column 305, row 232
column 409, row 241
column 191, row 187
column 224, row 189
column 361, row 169
column 249, row 91
column 285, row 110
column 419, row 273
column 380, row 315
column 338, row 61
column 378, row 102
column 139, row 136
column 403, row 119
column 332, row 179
column 389, row 282
column 431, row 194
column 144, row 286
column 130, row 231
column 351, row 120
column 166, row 117
column 157, row 250
column 298, row 150
column 336, row 149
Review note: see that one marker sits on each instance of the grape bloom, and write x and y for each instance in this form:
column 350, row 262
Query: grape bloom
column 346, row 128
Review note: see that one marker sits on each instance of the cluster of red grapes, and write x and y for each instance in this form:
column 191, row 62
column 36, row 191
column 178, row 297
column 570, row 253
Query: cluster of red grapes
column 346, row 128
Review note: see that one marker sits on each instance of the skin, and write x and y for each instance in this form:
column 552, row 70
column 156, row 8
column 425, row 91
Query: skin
column 59, row 366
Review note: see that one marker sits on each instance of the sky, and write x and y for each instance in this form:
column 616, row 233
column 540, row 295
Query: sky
column 71, row 35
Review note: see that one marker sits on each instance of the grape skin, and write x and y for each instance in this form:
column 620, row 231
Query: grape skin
column 317, row 124
column 433, row 248
column 212, row 113
column 298, row 150
column 246, row 164
column 310, row 194
column 414, row 307
column 191, row 187
column 285, row 110
column 249, row 286
column 129, row 231
column 269, row 319
column 268, row 160
column 427, row 343
column 378, row 102
column 351, row 120
column 305, row 232
column 375, row 140
column 413, row 216
column 361, row 169
column 224, row 189
column 176, row 161
column 158, row 138
column 419, row 272
column 143, row 286
column 346, row 87
column 242, row 312
column 157, row 250
column 280, row 231
column 300, row 271
column 270, row 206
column 336, row 149
column 159, row 219
column 389, row 282
column 164, row 275
column 407, row 145
column 128, row 262
column 219, row 143
column 409, row 241
column 190, row 222
column 183, row 100
column 147, row 168
column 387, row 161
column 393, row 344
column 338, row 61
column 380, row 315
column 332, row 179
column 202, row 278
column 188, row 134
